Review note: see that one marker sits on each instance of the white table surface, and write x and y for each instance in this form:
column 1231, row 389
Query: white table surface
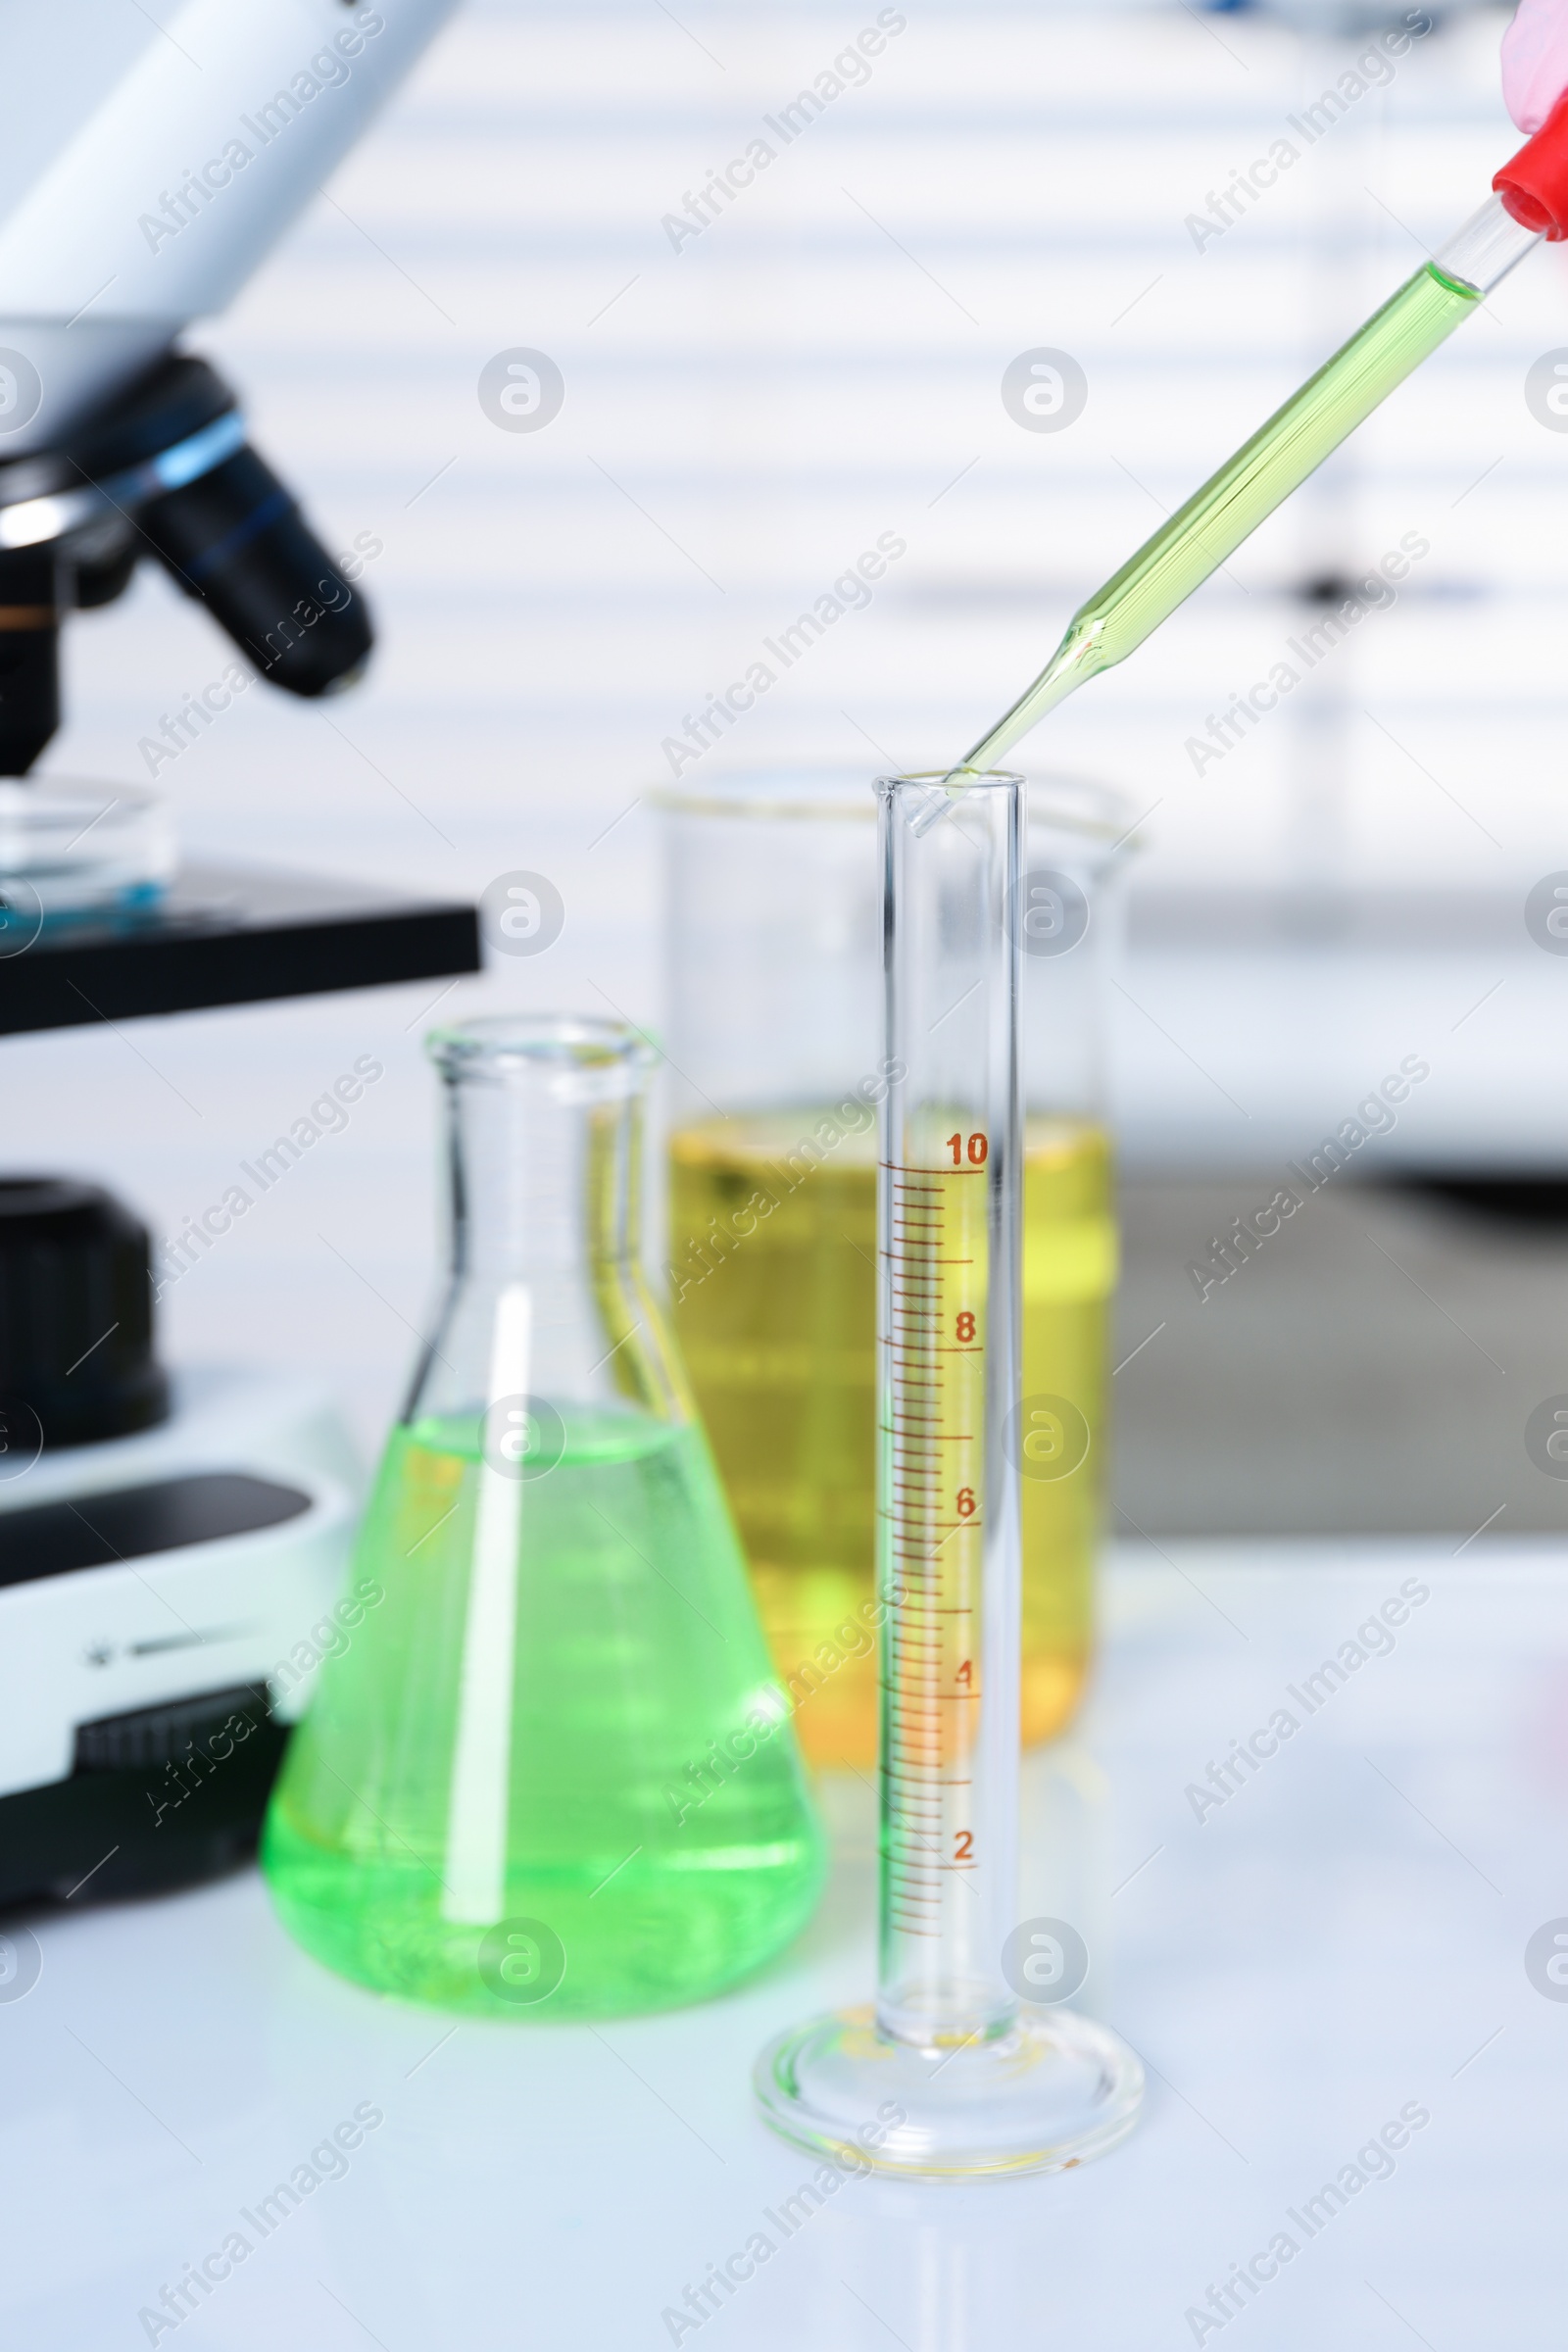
column 1342, row 1938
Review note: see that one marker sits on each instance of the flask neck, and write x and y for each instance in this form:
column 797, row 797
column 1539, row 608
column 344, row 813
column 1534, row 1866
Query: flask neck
column 543, row 1167
column 547, row 1306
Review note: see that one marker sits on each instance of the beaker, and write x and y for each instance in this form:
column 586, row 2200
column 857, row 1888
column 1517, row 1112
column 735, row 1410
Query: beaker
column 551, row 1772
column 775, row 1071
column 772, row 937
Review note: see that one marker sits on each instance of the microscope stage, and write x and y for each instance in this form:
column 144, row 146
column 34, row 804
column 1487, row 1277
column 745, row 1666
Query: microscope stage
column 232, row 935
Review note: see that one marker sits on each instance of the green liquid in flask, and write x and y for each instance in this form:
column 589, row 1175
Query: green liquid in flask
column 658, row 1875
column 1233, row 502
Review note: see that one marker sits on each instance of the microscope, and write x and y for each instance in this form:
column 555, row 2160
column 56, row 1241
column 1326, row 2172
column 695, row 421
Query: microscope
column 146, row 170
column 172, row 1554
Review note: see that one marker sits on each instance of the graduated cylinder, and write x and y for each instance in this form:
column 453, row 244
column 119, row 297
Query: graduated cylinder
column 948, row 1345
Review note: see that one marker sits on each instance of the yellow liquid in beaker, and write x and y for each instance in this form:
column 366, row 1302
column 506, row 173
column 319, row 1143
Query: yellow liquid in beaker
column 773, row 1227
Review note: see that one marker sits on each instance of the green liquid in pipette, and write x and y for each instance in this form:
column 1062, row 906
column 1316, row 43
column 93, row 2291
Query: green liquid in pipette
column 1232, row 503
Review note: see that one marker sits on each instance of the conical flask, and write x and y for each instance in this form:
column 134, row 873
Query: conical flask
column 551, row 1773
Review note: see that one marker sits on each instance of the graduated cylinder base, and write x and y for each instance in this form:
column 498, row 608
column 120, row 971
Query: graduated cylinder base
column 1053, row 2091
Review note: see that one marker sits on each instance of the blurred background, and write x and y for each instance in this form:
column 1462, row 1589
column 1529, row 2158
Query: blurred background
column 745, row 409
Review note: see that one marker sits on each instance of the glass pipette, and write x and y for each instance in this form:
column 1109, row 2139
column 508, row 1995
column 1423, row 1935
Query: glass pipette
column 950, row 2076
column 1530, row 203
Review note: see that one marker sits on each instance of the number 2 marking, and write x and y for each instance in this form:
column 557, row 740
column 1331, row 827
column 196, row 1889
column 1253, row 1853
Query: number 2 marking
column 963, row 1845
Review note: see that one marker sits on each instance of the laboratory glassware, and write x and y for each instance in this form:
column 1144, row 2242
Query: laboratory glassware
column 775, row 1062
column 551, row 1772
column 82, row 852
column 951, row 2076
column 772, row 1025
column 1529, row 202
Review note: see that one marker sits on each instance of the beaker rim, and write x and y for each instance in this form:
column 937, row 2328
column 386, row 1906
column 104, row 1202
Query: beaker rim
column 802, row 791
column 1074, row 802
column 551, row 1039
